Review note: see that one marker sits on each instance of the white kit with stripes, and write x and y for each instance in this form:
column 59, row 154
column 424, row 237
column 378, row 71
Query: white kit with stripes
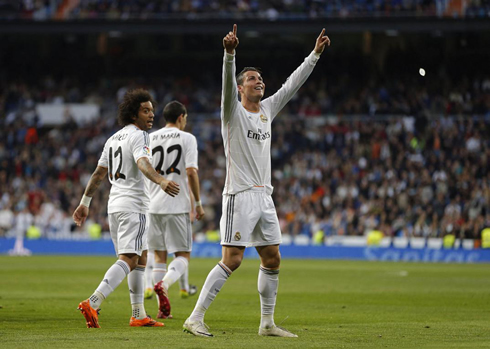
column 249, row 216
column 129, row 231
column 128, row 199
column 173, row 152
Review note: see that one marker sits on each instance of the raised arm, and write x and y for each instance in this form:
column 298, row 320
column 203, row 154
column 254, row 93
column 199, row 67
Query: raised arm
column 299, row 76
column 229, row 95
column 169, row 187
column 81, row 212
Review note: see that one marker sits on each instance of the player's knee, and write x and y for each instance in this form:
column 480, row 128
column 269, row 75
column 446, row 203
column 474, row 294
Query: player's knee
column 131, row 259
column 132, row 264
column 233, row 262
column 142, row 262
column 272, row 262
column 186, row 255
column 237, row 264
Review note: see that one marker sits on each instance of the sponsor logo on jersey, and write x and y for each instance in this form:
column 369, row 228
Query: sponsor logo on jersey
column 258, row 135
column 263, row 118
column 237, row 236
column 146, row 150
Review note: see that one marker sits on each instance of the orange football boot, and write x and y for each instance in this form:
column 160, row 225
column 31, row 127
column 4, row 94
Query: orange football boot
column 146, row 322
column 91, row 315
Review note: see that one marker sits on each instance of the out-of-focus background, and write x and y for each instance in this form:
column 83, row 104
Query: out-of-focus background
column 387, row 143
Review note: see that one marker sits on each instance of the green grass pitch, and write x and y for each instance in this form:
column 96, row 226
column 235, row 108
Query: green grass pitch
column 329, row 304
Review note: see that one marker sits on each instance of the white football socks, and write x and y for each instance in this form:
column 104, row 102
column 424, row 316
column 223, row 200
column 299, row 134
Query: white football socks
column 159, row 271
column 112, row 278
column 150, row 263
column 184, row 280
column 215, row 280
column 175, row 270
column 267, row 283
column 136, row 284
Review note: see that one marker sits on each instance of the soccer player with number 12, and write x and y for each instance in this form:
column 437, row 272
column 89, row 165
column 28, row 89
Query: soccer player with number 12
column 126, row 159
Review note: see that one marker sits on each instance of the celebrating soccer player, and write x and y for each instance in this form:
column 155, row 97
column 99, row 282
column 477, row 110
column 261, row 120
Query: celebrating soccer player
column 249, row 216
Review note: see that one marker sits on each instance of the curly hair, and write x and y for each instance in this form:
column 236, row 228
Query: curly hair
column 128, row 109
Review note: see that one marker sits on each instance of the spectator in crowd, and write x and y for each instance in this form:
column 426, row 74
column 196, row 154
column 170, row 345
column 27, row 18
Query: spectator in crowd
column 337, row 174
column 285, row 9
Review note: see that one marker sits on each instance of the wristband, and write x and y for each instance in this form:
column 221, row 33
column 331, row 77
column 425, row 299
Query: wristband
column 85, row 200
column 198, row 203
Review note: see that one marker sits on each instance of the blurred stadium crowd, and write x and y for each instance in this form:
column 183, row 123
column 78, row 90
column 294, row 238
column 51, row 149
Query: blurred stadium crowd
column 367, row 144
column 358, row 170
column 269, row 10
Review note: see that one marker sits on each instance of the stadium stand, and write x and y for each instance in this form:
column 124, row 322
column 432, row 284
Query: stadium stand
column 268, row 10
column 367, row 144
column 411, row 176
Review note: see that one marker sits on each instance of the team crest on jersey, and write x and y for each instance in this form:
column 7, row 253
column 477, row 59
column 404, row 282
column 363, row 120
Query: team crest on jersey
column 263, row 118
column 146, row 150
column 237, row 236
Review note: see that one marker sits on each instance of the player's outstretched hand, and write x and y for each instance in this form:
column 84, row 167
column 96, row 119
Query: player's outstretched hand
column 80, row 215
column 321, row 41
column 230, row 41
column 170, row 187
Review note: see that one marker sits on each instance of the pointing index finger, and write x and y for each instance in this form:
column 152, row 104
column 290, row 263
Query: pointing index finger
column 234, row 29
column 322, row 33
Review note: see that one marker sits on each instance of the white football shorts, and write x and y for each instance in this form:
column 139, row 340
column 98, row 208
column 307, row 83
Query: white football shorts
column 170, row 232
column 129, row 232
column 249, row 219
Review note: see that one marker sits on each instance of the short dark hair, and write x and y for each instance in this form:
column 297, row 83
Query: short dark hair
column 239, row 77
column 173, row 110
column 128, row 109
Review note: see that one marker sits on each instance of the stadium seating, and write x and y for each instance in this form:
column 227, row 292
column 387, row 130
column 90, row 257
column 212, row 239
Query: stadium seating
column 271, row 10
column 339, row 173
column 368, row 144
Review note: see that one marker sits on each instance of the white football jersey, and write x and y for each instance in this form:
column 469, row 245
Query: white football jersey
column 173, row 152
column 120, row 155
column 247, row 135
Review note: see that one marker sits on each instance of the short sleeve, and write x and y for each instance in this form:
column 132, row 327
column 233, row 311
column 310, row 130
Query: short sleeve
column 140, row 146
column 104, row 160
column 191, row 152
